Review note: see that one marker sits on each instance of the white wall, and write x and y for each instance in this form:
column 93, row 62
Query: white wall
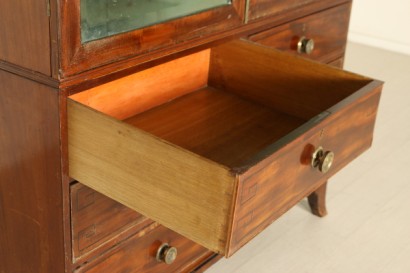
column 381, row 23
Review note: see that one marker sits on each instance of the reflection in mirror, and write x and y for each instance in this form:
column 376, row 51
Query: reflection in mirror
column 103, row 18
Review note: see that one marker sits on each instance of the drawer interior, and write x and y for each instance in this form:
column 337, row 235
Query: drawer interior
column 219, row 105
column 174, row 142
column 217, row 125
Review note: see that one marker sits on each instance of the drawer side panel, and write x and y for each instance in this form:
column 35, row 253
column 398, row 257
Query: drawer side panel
column 172, row 186
column 284, row 82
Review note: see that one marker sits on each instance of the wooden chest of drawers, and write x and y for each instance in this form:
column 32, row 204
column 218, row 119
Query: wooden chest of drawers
column 165, row 147
column 220, row 140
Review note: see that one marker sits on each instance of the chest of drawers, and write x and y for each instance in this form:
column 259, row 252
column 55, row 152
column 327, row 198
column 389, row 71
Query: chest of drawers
column 165, row 141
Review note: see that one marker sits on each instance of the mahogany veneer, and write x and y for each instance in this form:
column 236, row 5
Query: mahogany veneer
column 138, row 254
column 99, row 223
column 327, row 29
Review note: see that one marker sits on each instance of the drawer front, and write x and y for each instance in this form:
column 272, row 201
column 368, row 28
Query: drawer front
column 138, row 255
column 281, row 175
column 98, row 222
column 279, row 182
column 215, row 186
column 327, row 30
column 258, row 9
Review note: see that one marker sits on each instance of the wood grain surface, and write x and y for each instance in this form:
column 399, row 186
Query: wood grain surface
column 328, row 30
column 142, row 91
column 77, row 56
column 138, row 255
column 217, row 136
column 34, row 205
column 98, row 222
column 217, row 125
column 86, row 79
column 173, row 186
column 289, row 84
column 277, row 183
column 25, row 35
column 258, row 9
column 317, row 201
column 31, row 202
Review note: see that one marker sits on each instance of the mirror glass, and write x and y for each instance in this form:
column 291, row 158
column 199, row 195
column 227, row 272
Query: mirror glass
column 103, row 18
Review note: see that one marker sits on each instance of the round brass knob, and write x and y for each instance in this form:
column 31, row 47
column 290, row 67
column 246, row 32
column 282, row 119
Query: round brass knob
column 306, row 45
column 166, row 254
column 322, row 160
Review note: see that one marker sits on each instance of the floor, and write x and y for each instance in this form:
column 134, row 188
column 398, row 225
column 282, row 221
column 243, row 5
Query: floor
column 368, row 226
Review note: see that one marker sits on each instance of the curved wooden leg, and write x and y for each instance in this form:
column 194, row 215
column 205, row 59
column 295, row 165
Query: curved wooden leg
column 317, row 201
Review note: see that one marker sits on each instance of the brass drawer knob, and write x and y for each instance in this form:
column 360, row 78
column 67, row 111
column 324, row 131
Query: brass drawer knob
column 166, row 254
column 306, row 45
column 322, row 160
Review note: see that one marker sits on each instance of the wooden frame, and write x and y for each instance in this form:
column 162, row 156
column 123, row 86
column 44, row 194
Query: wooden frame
column 76, row 57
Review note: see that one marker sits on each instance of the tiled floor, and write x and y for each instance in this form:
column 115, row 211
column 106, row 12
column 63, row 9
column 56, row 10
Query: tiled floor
column 368, row 226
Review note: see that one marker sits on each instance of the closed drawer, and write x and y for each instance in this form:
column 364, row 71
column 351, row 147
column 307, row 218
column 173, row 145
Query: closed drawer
column 326, row 31
column 98, row 222
column 139, row 254
column 218, row 144
column 257, row 9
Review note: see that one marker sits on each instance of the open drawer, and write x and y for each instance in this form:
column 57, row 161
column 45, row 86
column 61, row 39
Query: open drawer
column 218, row 144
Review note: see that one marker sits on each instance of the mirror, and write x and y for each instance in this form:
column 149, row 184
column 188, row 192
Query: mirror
column 103, row 18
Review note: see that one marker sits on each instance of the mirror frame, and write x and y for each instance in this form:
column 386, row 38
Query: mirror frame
column 76, row 57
